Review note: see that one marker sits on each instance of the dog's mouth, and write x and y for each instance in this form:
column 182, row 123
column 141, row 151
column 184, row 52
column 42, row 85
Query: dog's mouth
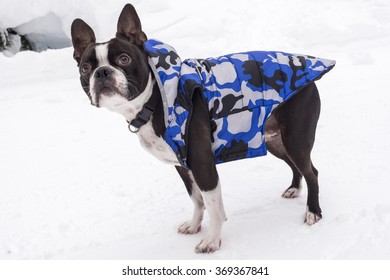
column 106, row 87
column 108, row 95
column 105, row 91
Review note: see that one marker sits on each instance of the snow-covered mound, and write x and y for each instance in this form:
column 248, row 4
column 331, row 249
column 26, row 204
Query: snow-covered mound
column 74, row 183
column 38, row 34
column 45, row 23
column 45, row 33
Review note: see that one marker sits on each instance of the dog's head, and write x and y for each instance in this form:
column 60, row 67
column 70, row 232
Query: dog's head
column 115, row 72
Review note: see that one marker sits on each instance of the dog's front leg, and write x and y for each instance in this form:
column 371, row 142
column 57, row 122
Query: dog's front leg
column 216, row 211
column 201, row 162
column 205, row 191
column 193, row 226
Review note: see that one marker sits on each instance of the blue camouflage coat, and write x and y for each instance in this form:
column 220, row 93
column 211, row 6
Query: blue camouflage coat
column 241, row 91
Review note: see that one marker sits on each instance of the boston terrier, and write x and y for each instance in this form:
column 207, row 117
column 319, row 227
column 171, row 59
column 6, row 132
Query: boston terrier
column 197, row 113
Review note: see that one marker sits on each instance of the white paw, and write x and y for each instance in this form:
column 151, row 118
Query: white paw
column 311, row 218
column 291, row 193
column 189, row 228
column 208, row 246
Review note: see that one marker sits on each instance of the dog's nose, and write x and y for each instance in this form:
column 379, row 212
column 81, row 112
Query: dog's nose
column 103, row 73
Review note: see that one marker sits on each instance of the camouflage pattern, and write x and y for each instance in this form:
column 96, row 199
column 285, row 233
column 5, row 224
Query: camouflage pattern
column 241, row 90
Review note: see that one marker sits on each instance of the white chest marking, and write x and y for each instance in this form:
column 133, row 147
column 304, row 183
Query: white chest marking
column 129, row 109
column 156, row 145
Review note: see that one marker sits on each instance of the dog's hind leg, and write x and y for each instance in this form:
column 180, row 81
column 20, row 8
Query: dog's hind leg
column 193, row 226
column 297, row 120
column 275, row 145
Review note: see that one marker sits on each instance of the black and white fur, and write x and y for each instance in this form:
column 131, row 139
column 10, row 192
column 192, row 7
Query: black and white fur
column 116, row 75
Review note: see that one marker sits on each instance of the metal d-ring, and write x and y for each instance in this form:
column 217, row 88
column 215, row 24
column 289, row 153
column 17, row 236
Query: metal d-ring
column 133, row 129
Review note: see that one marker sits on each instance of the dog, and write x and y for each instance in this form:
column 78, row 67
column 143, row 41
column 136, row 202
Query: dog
column 197, row 113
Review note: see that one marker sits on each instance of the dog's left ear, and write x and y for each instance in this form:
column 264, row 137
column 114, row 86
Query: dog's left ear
column 82, row 36
column 129, row 26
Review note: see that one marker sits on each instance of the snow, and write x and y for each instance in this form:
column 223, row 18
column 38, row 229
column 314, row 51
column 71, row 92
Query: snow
column 45, row 32
column 76, row 184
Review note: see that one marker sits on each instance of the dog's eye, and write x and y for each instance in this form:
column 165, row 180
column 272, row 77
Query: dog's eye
column 85, row 68
column 123, row 59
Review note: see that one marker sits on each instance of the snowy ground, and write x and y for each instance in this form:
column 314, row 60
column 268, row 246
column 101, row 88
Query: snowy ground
column 75, row 184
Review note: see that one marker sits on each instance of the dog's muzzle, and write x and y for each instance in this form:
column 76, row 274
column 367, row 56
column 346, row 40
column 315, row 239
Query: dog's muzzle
column 104, row 81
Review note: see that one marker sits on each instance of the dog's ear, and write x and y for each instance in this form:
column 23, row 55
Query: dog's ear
column 82, row 36
column 129, row 26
